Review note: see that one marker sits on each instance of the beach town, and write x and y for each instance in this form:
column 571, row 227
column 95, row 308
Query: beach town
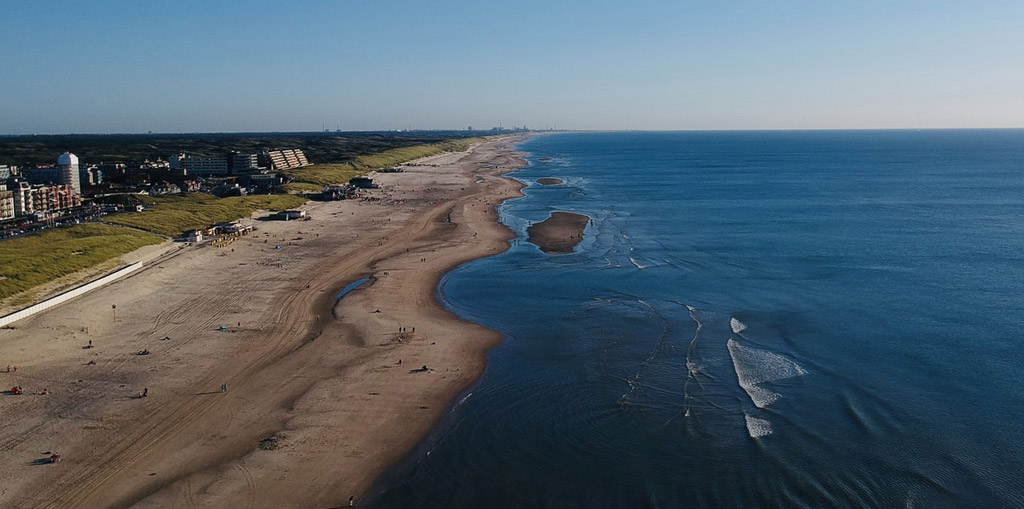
column 241, row 366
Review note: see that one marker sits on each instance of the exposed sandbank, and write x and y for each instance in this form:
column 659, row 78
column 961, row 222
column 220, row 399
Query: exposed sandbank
column 549, row 181
column 559, row 233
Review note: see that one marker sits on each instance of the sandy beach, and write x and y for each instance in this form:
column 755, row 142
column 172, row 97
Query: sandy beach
column 322, row 395
column 559, row 233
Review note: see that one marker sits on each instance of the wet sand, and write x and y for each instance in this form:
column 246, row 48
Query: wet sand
column 321, row 394
column 559, row 233
column 549, row 181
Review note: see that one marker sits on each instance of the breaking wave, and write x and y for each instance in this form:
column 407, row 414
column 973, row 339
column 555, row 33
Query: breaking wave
column 757, row 427
column 737, row 326
column 754, row 366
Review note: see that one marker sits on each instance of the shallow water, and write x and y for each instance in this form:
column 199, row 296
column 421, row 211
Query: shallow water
column 797, row 319
column 349, row 287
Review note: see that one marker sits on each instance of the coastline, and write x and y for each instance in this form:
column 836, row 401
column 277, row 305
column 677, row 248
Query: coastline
column 317, row 407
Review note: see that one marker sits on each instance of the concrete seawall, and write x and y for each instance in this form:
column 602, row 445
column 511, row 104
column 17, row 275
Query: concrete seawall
column 68, row 295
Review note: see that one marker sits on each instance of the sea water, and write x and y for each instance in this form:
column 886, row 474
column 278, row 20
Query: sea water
column 754, row 319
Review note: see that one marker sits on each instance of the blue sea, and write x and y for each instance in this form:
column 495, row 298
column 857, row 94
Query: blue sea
column 754, row 319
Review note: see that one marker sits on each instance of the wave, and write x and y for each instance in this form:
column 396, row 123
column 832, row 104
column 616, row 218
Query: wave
column 641, row 267
column 754, row 366
column 692, row 367
column 737, row 326
column 756, row 427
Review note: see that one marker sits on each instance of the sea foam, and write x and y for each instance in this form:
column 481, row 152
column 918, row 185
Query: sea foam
column 757, row 427
column 737, row 326
column 755, row 366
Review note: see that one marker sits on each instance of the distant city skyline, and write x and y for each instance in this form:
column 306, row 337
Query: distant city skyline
column 130, row 67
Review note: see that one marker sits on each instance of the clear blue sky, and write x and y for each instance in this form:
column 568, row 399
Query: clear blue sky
column 185, row 66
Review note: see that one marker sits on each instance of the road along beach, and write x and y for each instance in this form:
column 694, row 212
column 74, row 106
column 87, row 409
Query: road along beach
column 324, row 393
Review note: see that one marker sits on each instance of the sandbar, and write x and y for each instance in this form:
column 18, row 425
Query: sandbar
column 559, row 233
column 549, row 181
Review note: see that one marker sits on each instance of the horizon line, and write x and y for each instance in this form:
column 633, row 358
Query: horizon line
column 485, row 131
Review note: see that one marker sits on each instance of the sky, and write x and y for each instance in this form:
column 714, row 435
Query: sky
column 260, row 65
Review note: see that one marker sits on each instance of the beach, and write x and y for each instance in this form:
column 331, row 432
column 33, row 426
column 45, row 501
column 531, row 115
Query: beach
column 262, row 389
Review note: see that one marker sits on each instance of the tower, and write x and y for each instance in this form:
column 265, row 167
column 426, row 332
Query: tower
column 68, row 164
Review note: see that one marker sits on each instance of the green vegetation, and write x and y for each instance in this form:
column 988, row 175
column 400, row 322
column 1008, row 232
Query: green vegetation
column 172, row 215
column 320, row 175
column 298, row 188
column 397, row 156
column 32, row 260
column 340, row 173
column 319, row 147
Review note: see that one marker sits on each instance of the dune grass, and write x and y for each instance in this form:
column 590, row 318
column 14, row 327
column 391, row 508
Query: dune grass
column 33, row 260
column 298, row 188
column 173, row 215
column 398, row 156
column 340, row 173
column 320, row 175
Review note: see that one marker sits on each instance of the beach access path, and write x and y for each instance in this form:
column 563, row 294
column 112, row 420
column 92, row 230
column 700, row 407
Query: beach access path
column 322, row 395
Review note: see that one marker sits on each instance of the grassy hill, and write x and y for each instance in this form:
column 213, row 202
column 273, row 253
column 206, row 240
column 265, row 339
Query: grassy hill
column 172, row 215
column 320, row 175
column 32, row 260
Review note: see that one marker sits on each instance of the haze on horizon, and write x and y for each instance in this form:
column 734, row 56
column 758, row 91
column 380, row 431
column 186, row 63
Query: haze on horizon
column 190, row 66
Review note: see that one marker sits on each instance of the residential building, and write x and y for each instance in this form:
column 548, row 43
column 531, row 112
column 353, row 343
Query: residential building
column 162, row 188
column 23, row 205
column 6, row 203
column 263, row 179
column 42, row 199
column 45, row 175
column 206, row 165
column 68, row 164
column 91, row 176
column 241, row 163
column 199, row 165
column 285, row 159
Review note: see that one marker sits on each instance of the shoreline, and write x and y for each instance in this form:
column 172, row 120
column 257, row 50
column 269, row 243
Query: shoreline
column 326, row 394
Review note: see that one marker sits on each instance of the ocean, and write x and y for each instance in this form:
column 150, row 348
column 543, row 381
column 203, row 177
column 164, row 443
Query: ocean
column 754, row 319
